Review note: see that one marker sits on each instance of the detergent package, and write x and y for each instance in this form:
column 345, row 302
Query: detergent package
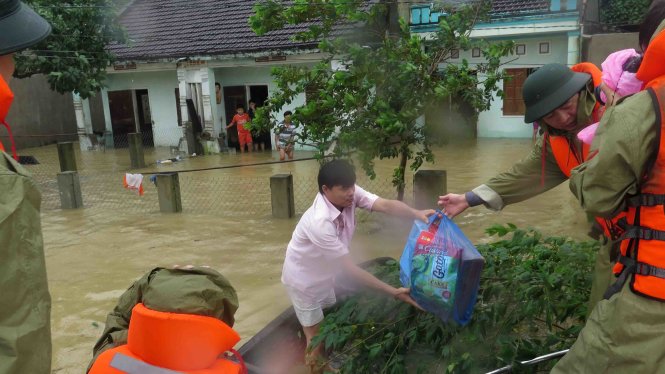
column 442, row 268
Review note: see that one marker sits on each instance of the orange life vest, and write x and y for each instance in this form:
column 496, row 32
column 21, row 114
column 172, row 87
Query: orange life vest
column 171, row 342
column 568, row 159
column 6, row 98
column 597, row 76
column 643, row 242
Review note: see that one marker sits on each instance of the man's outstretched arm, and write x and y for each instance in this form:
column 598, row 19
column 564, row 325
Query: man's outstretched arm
column 400, row 209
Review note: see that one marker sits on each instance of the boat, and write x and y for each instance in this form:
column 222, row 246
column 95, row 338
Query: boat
column 279, row 348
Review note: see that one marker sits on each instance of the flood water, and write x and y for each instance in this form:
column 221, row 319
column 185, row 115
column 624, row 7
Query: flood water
column 94, row 254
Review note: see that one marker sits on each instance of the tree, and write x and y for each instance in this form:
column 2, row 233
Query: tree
column 622, row 13
column 387, row 77
column 75, row 56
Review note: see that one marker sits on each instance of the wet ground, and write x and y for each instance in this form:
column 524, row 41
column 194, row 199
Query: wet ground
column 95, row 253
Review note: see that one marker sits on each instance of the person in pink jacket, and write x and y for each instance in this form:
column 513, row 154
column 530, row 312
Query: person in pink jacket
column 618, row 81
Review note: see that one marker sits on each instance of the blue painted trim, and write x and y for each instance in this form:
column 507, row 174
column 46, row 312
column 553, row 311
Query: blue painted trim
column 571, row 4
column 528, row 20
column 574, row 33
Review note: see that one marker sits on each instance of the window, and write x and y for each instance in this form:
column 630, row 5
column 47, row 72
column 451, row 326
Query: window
column 513, row 104
column 475, row 52
column 454, row 53
column 520, row 49
column 544, row 48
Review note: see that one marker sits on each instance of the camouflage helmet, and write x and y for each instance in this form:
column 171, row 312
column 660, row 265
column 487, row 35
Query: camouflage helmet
column 550, row 87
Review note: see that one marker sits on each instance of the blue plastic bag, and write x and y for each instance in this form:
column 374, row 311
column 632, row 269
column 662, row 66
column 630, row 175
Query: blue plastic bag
column 442, row 268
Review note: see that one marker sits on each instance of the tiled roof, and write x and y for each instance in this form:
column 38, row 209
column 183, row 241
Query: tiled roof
column 180, row 28
column 514, row 7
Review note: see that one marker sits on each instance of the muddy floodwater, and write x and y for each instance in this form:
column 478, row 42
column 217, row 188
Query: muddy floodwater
column 94, row 254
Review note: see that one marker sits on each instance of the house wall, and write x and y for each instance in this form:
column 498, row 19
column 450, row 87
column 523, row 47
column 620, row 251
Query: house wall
column 38, row 114
column 246, row 76
column 597, row 47
column 493, row 123
column 161, row 92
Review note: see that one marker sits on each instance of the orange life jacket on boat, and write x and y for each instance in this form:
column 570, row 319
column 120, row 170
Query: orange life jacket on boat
column 643, row 242
column 171, row 343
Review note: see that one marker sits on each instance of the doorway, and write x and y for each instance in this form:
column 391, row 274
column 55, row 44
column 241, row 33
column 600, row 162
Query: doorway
column 130, row 112
column 259, row 94
column 234, row 96
column 145, row 117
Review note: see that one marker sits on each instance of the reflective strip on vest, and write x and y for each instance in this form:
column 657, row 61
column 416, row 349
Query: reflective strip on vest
column 644, row 241
column 131, row 365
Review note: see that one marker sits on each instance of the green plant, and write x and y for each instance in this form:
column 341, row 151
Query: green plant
column 532, row 300
column 384, row 77
column 624, row 12
column 75, row 56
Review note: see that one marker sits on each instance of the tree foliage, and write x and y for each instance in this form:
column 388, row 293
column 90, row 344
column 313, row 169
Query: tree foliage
column 532, row 301
column 385, row 79
column 75, row 56
column 624, row 12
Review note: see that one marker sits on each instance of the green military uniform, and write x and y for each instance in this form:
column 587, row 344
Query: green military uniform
column 25, row 311
column 198, row 290
column 625, row 334
column 522, row 182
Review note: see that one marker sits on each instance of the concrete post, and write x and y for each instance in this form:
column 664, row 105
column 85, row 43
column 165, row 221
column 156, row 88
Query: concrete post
column 67, row 156
column 428, row 185
column 281, row 194
column 136, row 150
column 70, row 190
column 168, row 191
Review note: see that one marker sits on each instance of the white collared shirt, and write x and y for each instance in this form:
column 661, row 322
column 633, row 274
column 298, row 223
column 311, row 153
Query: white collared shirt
column 322, row 236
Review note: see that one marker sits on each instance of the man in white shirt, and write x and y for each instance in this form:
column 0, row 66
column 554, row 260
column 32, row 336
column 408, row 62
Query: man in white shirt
column 319, row 247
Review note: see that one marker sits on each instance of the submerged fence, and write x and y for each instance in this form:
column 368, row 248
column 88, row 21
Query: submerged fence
column 234, row 189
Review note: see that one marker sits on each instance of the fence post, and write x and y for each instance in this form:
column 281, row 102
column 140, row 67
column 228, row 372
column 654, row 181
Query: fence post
column 69, row 186
column 428, row 185
column 67, row 156
column 168, row 191
column 136, row 150
column 281, row 195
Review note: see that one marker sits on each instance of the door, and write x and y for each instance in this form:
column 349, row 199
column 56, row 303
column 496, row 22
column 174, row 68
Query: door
column 233, row 96
column 121, row 106
column 144, row 117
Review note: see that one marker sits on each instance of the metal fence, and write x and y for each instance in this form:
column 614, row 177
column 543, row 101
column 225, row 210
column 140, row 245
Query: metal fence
column 236, row 191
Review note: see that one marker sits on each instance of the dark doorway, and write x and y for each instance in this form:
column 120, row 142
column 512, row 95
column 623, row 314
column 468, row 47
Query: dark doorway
column 145, row 117
column 259, row 94
column 122, row 116
column 234, row 96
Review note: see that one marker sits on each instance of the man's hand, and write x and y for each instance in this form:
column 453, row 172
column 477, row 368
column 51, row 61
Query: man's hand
column 453, row 204
column 402, row 294
column 424, row 215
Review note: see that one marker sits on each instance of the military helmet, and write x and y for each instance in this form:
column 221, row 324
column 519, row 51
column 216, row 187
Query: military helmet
column 550, row 87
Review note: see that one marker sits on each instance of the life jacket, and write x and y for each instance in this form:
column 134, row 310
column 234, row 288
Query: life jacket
column 597, row 76
column 6, row 99
column 568, row 159
column 643, row 242
column 161, row 342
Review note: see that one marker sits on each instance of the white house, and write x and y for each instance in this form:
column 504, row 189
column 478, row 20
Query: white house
column 178, row 51
column 544, row 31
